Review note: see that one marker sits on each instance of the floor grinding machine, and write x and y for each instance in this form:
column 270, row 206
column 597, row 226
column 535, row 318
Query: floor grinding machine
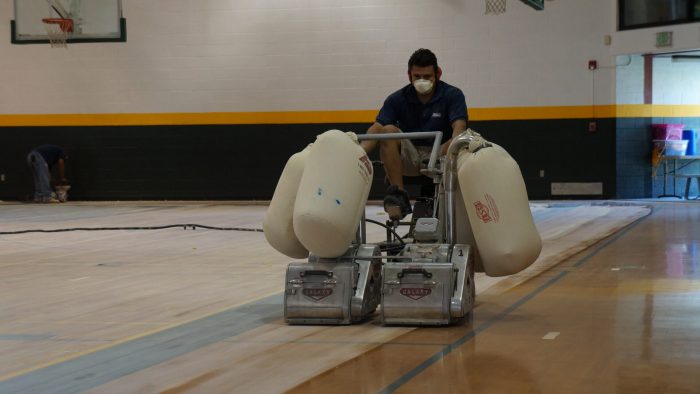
column 425, row 278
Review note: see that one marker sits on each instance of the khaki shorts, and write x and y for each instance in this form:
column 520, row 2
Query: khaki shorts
column 414, row 158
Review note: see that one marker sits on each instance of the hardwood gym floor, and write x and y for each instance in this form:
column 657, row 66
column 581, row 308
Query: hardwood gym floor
column 612, row 305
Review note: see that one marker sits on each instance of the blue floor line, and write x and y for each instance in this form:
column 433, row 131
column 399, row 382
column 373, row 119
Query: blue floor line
column 96, row 369
column 25, row 337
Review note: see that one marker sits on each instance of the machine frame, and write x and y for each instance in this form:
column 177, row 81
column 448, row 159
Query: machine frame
column 427, row 282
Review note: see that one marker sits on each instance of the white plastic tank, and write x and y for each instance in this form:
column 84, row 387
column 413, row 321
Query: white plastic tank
column 332, row 194
column 498, row 209
column 277, row 224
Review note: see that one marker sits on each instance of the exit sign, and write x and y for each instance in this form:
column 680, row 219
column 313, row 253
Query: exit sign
column 536, row 4
column 664, row 39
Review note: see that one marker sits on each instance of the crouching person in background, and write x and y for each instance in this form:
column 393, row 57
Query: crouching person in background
column 41, row 160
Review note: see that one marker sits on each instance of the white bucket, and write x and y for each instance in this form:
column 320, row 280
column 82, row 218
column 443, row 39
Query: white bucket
column 62, row 193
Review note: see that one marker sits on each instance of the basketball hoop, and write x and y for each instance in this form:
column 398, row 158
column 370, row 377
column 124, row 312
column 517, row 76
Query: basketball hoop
column 57, row 29
column 495, row 7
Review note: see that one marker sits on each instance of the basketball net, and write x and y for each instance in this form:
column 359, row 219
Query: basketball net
column 495, row 7
column 57, row 30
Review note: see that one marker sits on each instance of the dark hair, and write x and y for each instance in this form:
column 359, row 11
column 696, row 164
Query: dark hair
column 423, row 58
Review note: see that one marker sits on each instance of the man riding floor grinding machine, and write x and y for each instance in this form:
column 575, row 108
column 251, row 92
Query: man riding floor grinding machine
column 479, row 219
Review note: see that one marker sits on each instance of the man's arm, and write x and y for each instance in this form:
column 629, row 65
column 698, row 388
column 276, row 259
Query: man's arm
column 61, row 171
column 458, row 126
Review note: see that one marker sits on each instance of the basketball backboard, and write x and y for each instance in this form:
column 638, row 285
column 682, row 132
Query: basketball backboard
column 496, row 7
column 93, row 20
column 536, row 4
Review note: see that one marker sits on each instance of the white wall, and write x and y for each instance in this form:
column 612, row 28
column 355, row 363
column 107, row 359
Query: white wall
column 630, row 79
column 287, row 55
column 673, row 82
column 676, row 83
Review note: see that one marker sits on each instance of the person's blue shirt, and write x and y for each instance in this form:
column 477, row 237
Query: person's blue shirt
column 403, row 109
column 51, row 153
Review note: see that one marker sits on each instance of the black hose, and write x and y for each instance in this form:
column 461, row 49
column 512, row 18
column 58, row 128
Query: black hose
column 184, row 227
column 388, row 228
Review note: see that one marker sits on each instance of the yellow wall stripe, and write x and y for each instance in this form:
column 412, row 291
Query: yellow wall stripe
column 194, row 118
column 359, row 116
column 530, row 113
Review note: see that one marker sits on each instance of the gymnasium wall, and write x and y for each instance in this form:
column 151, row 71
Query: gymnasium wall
column 208, row 98
column 675, row 99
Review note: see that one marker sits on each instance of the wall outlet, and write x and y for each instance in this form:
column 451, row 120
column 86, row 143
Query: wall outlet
column 2, row 177
column 541, row 173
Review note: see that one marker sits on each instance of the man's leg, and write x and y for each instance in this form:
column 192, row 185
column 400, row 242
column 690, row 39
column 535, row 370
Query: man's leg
column 34, row 166
column 396, row 203
column 42, row 178
column 390, row 154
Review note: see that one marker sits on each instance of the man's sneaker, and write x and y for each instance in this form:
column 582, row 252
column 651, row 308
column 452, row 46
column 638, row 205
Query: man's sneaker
column 396, row 203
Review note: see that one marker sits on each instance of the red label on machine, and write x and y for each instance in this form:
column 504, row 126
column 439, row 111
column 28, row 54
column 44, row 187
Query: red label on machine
column 482, row 211
column 365, row 160
column 493, row 207
column 365, row 168
column 317, row 294
column 415, row 293
column 487, row 212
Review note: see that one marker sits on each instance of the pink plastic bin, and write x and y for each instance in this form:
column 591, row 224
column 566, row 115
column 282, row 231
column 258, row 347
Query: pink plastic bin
column 666, row 131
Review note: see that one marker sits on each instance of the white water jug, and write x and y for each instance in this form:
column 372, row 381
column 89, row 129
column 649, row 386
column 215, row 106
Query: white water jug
column 277, row 224
column 332, row 194
column 495, row 198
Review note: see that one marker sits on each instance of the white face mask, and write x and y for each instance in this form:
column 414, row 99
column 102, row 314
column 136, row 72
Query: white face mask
column 423, row 86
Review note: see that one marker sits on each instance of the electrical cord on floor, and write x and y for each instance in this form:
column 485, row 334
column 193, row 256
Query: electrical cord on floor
column 184, row 227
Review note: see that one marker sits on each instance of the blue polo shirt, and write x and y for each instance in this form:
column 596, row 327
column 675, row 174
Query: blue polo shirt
column 403, row 109
column 51, row 153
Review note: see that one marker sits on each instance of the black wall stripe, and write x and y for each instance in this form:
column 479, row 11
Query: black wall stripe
column 242, row 162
